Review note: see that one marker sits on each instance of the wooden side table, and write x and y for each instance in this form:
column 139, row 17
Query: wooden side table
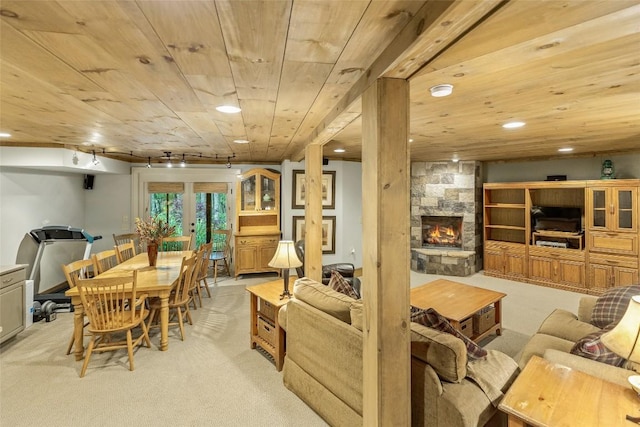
column 548, row 394
column 265, row 330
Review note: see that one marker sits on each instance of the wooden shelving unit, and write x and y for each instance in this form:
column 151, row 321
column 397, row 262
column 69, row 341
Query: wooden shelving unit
column 604, row 253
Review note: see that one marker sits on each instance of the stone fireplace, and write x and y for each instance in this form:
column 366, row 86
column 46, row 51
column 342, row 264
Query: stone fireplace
column 452, row 194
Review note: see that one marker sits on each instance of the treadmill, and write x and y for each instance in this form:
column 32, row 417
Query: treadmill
column 50, row 240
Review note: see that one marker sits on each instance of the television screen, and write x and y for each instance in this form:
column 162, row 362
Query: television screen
column 556, row 218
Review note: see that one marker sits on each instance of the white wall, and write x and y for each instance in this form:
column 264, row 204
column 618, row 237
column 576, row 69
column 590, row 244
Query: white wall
column 627, row 166
column 348, row 210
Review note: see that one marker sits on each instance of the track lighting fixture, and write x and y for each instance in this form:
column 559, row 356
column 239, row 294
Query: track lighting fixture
column 95, row 161
column 183, row 163
column 149, row 162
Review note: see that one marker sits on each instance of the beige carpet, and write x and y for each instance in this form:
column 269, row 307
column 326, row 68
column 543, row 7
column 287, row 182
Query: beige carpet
column 212, row 378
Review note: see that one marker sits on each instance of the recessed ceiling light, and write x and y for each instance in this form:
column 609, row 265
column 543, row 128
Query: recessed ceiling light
column 565, row 150
column 228, row 109
column 241, row 141
column 410, row 139
column 455, row 158
column 439, row 91
column 513, row 125
column 4, row 135
column 339, row 150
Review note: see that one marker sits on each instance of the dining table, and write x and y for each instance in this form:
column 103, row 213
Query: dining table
column 155, row 281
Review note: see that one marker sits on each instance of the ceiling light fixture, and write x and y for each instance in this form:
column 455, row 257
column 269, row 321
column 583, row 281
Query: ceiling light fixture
column 229, row 109
column 438, row 91
column 148, row 162
column 95, row 161
column 241, row 141
column 410, row 140
column 183, row 163
column 4, row 135
column 339, row 150
column 565, row 150
column 513, row 125
column 455, row 158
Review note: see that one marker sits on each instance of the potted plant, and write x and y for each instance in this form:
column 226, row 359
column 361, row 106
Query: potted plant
column 151, row 232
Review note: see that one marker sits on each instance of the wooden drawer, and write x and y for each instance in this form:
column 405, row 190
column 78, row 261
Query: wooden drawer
column 610, row 242
column 257, row 240
column 12, row 278
column 515, row 248
column 557, row 253
column 613, row 260
column 267, row 331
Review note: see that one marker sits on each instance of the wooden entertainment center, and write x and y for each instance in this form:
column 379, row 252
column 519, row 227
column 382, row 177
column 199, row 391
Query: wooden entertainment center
column 533, row 234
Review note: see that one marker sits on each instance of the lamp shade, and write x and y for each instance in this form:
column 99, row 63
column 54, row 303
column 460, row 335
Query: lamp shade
column 285, row 256
column 623, row 339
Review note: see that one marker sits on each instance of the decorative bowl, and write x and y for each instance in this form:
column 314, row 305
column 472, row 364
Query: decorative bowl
column 634, row 380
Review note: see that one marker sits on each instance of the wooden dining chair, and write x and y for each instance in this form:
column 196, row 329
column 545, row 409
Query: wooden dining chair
column 125, row 251
column 112, row 306
column 103, row 261
column 203, row 271
column 81, row 269
column 180, row 298
column 175, row 243
column 221, row 252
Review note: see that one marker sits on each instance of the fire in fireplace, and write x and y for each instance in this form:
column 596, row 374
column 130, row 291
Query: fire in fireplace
column 442, row 232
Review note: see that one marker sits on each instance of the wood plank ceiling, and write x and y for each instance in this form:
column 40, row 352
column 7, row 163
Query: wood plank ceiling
column 136, row 79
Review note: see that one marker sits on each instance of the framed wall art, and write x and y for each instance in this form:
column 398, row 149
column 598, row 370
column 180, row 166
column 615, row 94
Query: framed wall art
column 328, row 232
column 328, row 190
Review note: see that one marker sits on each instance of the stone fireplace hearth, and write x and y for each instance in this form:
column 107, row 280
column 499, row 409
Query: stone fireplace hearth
column 447, row 189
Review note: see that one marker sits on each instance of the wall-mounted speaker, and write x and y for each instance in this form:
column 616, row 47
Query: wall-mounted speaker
column 88, row 182
column 325, row 161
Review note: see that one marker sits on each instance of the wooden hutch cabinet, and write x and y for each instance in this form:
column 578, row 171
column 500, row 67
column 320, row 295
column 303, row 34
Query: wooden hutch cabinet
column 575, row 235
column 258, row 221
column 612, row 234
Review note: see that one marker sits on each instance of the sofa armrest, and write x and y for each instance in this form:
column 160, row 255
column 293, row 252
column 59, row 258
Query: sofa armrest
column 446, row 354
column 282, row 317
column 591, row 367
column 565, row 325
column 585, row 308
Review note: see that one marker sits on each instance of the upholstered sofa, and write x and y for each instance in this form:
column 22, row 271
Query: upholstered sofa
column 559, row 333
column 323, row 365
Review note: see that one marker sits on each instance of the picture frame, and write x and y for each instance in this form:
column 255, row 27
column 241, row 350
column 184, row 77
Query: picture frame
column 328, row 190
column 328, row 232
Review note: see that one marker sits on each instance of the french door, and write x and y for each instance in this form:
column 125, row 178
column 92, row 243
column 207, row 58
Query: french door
column 193, row 208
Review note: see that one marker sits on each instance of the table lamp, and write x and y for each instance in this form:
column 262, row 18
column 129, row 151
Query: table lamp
column 624, row 339
column 285, row 258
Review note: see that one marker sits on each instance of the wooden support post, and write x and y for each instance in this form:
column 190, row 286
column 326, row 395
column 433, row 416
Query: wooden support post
column 313, row 212
column 385, row 263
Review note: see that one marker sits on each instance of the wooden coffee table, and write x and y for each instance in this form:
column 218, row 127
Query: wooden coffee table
column 549, row 394
column 458, row 303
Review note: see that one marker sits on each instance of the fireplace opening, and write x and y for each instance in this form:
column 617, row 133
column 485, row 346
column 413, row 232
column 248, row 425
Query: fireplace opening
column 442, row 232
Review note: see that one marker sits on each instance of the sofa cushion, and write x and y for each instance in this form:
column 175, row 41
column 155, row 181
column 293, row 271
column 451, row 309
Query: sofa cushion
column 611, row 305
column 342, row 285
column 323, row 298
column 445, row 353
column 494, row 374
column 432, row 319
column 592, row 347
column 563, row 324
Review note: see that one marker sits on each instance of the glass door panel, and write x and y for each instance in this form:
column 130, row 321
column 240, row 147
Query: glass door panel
column 268, row 194
column 211, row 214
column 625, row 209
column 169, row 208
column 599, row 208
column 248, row 194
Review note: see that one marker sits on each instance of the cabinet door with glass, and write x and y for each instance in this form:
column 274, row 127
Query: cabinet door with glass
column 613, row 208
column 259, row 191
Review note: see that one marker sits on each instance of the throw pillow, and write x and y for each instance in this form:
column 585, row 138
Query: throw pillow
column 340, row 284
column 432, row 319
column 611, row 305
column 591, row 347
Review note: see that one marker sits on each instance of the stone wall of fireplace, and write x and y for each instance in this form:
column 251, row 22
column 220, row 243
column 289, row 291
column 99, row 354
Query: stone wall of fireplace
column 452, row 189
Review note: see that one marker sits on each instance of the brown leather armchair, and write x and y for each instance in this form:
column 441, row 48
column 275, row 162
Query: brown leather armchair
column 346, row 270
